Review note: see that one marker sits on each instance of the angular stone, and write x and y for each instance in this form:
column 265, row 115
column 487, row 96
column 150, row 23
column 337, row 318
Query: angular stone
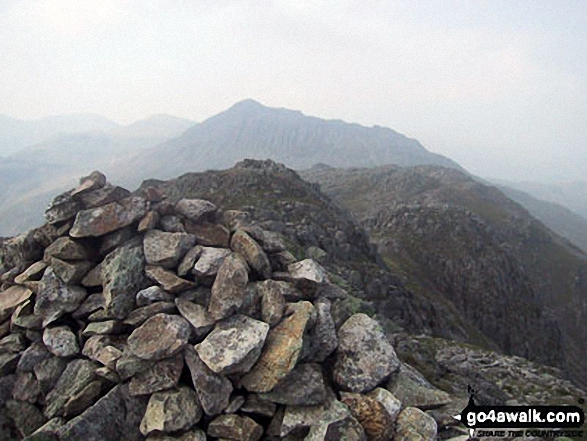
column 24, row 317
column 60, row 341
column 68, row 249
column 166, row 249
column 213, row 390
column 168, row 280
column 270, row 241
column 101, row 348
column 412, row 389
column 242, row 243
column 91, row 304
column 303, row 386
column 298, row 417
column 235, row 404
column 34, row 354
column 93, row 181
column 128, row 364
column 161, row 336
column 209, row 234
column 107, row 218
column 281, row 351
column 200, row 319
column 103, row 196
column 275, row 288
column 148, row 222
column 171, row 223
column 189, row 260
column 364, row 357
column 76, row 376
column 71, row 273
column 392, row 405
column 47, row 432
column 162, row 375
column 8, row 363
column 229, row 288
column 32, row 273
column 83, row 399
column 235, row 427
column 151, row 295
column 116, row 416
column 257, row 406
column 414, row 425
column 348, row 429
column 122, row 278
column 93, row 278
column 234, row 345
column 11, row 298
column 280, row 261
column 111, row 241
column 108, row 327
column 191, row 435
column 323, row 338
column 272, row 304
column 307, row 275
column 49, row 371
column 195, row 209
column 27, row 418
column 210, row 261
column 372, row 415
column 13, row 343
column 171, row 411
column 26, row 388
column 141, row 315
column 62, row 208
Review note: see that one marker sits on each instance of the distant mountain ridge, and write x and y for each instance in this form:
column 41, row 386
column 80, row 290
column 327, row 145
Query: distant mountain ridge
column 251, row 130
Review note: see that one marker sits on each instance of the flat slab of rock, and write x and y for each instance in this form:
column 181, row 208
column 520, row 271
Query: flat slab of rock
column 195, row 209
column 229, row 288
column 60, row 341
column 68, row 249
column 171, row 411
column 235, row 427
column 200, row 319
column 107, row 218
column 319, row 416
column 234, row 345
column 364, row 357
column 161, row 336
column 281, row 351
column 71, row 273
column 414, row 425
column 168, row 280
column 12, row 297
column 166, row 249
column 213, row 389
column 244, row 244
column 209, row 234
column 33, row 272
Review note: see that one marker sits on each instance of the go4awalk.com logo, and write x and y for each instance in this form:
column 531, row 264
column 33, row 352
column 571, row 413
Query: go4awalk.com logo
column 516, row 421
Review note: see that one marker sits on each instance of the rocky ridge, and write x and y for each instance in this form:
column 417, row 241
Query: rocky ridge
column 133, row 317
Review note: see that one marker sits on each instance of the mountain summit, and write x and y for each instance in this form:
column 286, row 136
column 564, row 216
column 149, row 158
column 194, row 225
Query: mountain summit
column 249, row 129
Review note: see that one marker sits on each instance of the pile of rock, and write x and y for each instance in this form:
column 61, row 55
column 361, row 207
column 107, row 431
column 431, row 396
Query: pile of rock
column 129, row 317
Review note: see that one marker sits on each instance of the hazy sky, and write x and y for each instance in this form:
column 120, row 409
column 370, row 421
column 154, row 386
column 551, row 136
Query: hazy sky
column 499, row 86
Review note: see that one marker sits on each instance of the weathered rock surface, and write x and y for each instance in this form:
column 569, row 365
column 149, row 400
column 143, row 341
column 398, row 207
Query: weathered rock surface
column 414, row 425
column 371, row 414
column 166, row 249
column 209, row 261
column 364, row 358
column 61, row 341
column 234, row 345
column 242, row 243
column 161, row 336
column 200, row 319
column 235, row 427
column 195, row 209
column 55, row 298
column 171, row 411
column 229, row 288
column 168, row 280
column 107, row 218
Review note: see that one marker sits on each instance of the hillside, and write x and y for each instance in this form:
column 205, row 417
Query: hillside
column 458, row 241
column 250, row 130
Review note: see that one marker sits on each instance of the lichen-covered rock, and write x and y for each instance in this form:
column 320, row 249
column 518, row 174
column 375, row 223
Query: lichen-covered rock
column 213, row 389
column 323, row 338
column 209, row 261
column 234, row 345
column 110, row 217
column 303, row 386
column 161, row 336
column 27, row 418
column 171, row 411
column 414, row 425
column 272, row 304
column 68, row 249
column 168, row 280
column 166, row 249
column 162, row 375
column 61, row 341
column 281, row 351
column 364, row 357
column 209, row 234
column 55, row 298
column 235, row 427
column 242, row 243
column 200, row 319
column 412, row 389
column 229, row 288
column 372, row 415
column 317, row 417
column 153, row 294
column 71, row 273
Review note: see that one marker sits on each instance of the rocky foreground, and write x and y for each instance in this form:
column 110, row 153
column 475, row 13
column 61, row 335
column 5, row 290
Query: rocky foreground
column 129, row 317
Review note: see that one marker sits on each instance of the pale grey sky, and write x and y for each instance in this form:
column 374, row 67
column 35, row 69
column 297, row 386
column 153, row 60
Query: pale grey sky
column 499, row 86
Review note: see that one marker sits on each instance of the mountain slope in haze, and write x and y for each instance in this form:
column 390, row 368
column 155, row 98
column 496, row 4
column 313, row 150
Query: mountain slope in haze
column 32, row 175
column 16, row 134
column 561, row 220
column 250, row 130
column 456, row 240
